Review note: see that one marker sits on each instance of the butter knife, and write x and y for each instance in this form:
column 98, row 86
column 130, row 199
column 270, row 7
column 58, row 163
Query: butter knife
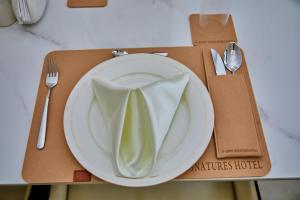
column 118, row 52
column 218, row 62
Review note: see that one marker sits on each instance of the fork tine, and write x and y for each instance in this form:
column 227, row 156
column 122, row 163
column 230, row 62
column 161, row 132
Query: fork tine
column 54, row 67
column 51, row 67
column 48, row 68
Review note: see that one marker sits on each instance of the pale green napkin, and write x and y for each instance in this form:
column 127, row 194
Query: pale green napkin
column 138, row 120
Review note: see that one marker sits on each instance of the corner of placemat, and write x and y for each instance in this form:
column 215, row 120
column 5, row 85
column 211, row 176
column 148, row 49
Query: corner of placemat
column 193, row 15
column 24, row 173
column 50, row 54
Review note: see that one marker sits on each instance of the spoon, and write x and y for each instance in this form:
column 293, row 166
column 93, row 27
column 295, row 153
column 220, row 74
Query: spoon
column 119, row 52
column 232, row 57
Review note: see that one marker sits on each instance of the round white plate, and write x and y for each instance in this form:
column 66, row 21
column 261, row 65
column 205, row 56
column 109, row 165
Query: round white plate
column 188, row 136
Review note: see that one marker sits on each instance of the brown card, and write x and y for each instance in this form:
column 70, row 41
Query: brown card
column 212, row 33
column 56, row 164
column 86, row 3
column 234, row 130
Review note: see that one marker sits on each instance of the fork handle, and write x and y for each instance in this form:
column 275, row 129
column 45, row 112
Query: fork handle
column 43, row 126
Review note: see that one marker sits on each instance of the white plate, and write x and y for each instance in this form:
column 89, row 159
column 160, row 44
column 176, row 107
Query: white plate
column 188, row 137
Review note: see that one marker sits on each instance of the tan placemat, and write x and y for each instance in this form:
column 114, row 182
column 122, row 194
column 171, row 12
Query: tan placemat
column 56, row 164
column 86, row 3
column 207, row 35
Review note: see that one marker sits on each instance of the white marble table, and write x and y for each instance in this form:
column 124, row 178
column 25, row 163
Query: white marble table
column 268, row 31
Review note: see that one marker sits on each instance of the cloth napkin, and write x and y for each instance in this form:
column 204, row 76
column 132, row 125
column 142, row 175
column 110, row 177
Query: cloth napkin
column 138, row 120
column 6, row 13
column 36, row 9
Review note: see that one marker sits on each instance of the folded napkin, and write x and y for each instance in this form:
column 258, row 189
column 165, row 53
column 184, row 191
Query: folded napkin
column 36, row 10
column 6, row 13
column 138, row 120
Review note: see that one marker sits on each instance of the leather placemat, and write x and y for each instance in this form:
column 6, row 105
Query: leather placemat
column 206, row 35
column 56, row 164
column 86, row 3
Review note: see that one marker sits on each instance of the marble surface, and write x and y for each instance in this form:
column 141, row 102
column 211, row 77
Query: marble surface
column 268, row 31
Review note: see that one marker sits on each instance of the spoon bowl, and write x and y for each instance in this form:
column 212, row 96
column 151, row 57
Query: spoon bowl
column 232, row 57
column 119, row 52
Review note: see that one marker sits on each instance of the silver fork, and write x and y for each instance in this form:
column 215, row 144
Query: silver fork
column 51, row 81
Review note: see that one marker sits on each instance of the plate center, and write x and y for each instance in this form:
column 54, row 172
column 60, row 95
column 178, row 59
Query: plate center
column 177, row 130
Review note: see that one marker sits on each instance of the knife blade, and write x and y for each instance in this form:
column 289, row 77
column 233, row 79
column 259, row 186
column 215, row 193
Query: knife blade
column 218, row 62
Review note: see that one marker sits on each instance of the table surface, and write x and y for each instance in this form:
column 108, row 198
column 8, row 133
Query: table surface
column 268, row 31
